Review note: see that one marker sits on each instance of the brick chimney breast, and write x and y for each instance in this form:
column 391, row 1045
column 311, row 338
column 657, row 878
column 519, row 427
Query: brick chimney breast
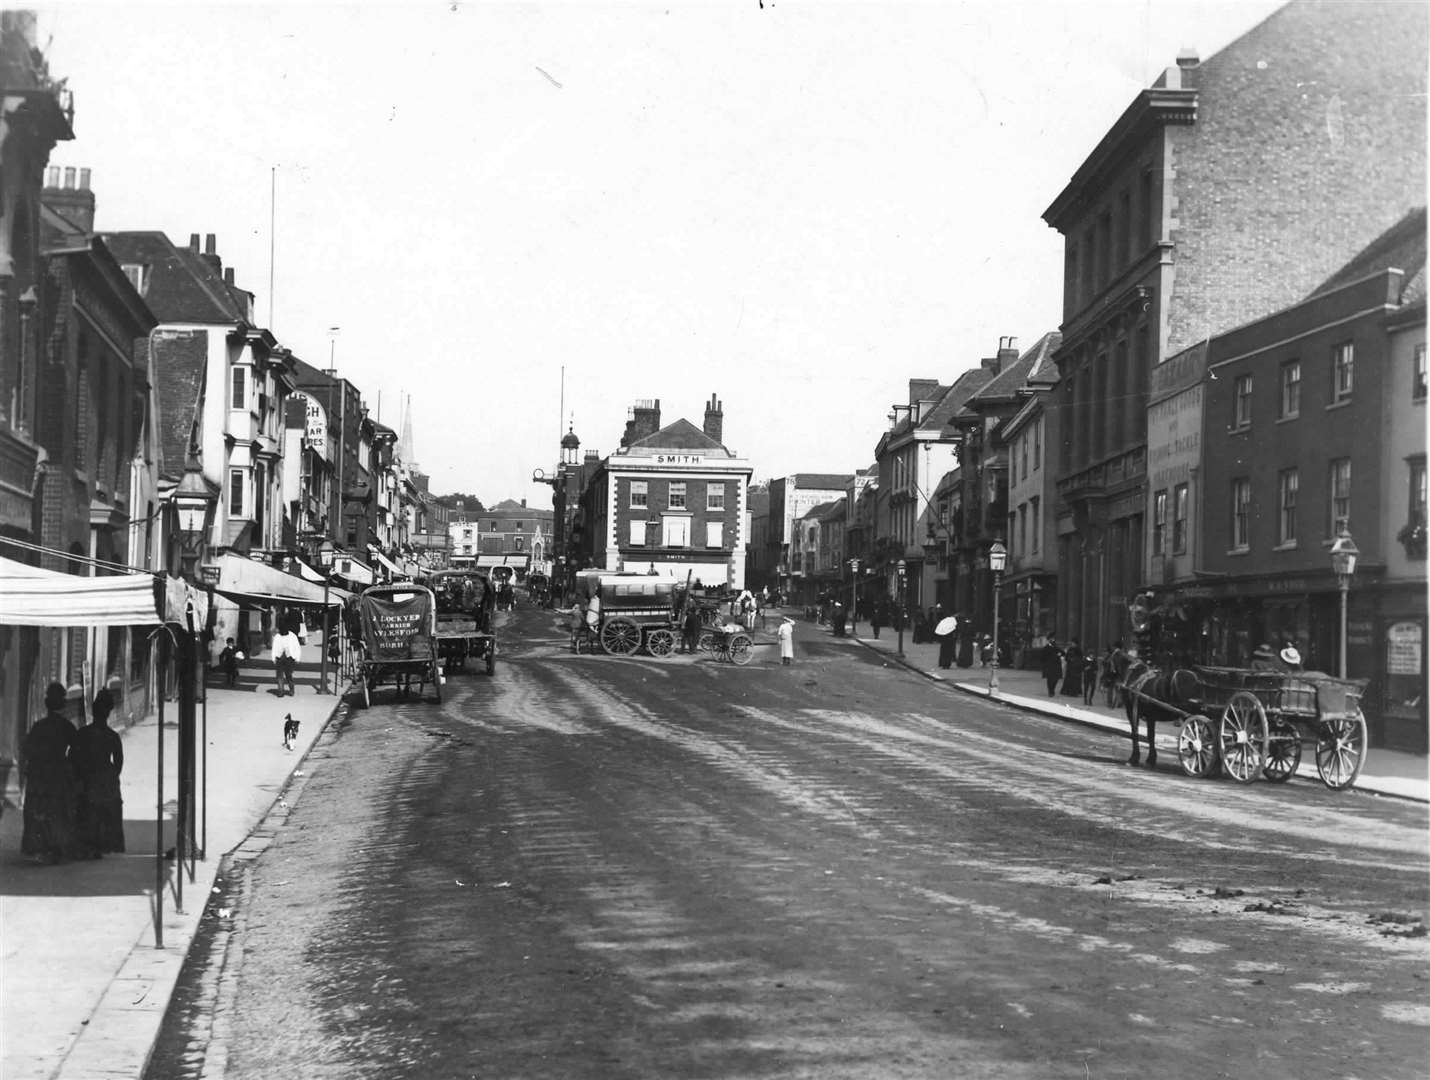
column 714, row 425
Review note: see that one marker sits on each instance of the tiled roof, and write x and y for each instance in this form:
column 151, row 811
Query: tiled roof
column 1401, row 246
column 835, row 511
column 180, row 358
column 681, row 435
column 183, row 286
column 818, row 512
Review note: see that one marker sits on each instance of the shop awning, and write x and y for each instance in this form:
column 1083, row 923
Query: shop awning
column 33, row 596
column 354, row 570
column 247, row 581
column 388, row 565
column 517, row 562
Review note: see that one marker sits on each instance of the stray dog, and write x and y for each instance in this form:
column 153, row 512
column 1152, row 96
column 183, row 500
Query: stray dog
column 290, row 731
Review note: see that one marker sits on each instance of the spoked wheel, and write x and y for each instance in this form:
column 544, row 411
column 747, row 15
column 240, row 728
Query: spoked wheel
column 660, row 643
column 436, row 676
column 742, row 649
column 620, row 637
column 1197, row 746
column 706, row 642
column 1340, row 751
column 1243, row 735
column 1283, row 752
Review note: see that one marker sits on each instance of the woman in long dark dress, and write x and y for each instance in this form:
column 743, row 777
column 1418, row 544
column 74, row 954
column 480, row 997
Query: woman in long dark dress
column 1072, row 671
column 98, row 756
column 48, row 833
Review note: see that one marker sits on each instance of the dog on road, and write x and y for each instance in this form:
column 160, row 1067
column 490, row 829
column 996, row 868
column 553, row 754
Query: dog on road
column 290, row 731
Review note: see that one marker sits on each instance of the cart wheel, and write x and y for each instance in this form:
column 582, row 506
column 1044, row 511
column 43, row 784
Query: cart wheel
column 1283, row 752
column 660, row 643
column 620, row 637
column 1340, row 751
column 492, row 656
column 437, row 680
column 742, row 649
column 1243, row 735
column 1197, row 746
column 706, row 642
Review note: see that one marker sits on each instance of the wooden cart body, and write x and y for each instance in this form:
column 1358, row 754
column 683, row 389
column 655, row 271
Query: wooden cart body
column 399, row 639
column 465, row 601
column 632, row 612
column 1251, row 723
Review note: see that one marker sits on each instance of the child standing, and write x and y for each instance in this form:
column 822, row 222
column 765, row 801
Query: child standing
column 228, row 662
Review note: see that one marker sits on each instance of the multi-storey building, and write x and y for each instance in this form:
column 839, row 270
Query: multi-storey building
column 508, row 534
column 790, row 498
column 1228, row 189
column 35, row 114
column 1314, row 429
column 918, row 448
column 670, row 499
column 98, row 490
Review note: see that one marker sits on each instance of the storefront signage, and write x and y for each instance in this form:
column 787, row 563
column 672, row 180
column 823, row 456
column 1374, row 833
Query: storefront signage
column 1174, row 439
column 317, row 425
column 679, row 459
column 1404, row 645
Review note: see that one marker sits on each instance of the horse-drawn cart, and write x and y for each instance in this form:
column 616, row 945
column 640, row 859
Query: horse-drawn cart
column 624, row 612
column 399, row 639
column 465, row 602
column 1252, row 723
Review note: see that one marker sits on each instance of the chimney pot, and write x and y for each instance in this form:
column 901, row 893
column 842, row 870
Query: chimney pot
column 193, row 241
column 1188, row 58
column 84, row 179
column 228, row 275
column 210, row 244
column 69, row 176
column 52, row 176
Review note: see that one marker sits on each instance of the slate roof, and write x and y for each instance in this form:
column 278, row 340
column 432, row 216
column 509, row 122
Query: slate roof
column 1401, row 246
column 835, row 511
column 180, row 360
column 183, row 285
column 681, row 435
column 1005, row 385
column 817, row 512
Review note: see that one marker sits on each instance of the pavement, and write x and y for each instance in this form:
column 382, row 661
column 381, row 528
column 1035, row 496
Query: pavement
column 87, row 976
column 84, row 981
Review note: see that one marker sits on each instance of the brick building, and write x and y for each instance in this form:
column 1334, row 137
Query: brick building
column 671, row 498
column 790, row 498
column 1315, row 423
column 1229, row 189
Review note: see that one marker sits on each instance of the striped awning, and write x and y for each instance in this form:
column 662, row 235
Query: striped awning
column 32, row 596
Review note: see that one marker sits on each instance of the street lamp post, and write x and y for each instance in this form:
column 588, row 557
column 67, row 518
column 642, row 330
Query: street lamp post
column 854, row 593
column 903, row 569
column 997, row 560
column 327, row 553
column 1343, row 560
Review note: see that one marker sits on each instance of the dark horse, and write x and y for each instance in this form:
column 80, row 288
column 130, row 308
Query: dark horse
column 1149, row 693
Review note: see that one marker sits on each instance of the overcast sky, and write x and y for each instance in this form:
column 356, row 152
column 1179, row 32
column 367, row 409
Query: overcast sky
column 797, row 207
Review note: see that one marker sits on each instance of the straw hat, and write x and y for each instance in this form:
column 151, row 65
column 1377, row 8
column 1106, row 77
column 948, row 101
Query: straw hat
column 1289, row 655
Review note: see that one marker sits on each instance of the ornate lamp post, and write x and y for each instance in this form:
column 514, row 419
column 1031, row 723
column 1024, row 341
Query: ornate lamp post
column 997, row 560
column 1343, row 561
column 903, row 569
column 853, row 590
column 327, row 553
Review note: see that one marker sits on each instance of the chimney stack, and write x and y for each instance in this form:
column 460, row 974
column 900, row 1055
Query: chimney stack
column 715, row 420
column 210, row 244
column 228, row 275
column 644, row 420
column 194, row 242
column 67, row 193
column 1007, row 353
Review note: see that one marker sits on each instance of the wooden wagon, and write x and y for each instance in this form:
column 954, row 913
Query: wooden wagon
column 399, row 639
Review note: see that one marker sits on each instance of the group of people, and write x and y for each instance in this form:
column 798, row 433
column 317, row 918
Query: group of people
column 1082, row 675
column 73, row 804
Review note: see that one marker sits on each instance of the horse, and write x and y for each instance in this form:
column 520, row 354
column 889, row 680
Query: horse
column 1148, row 692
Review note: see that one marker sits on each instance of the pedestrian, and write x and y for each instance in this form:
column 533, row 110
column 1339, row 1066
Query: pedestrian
column 1112, row 667
column 786, row 636
column 1072, row 670
column 838, row 616
column 286, row 651
column 98, row 757
column 947, row 637
column 690, row 630
column 1089, row 678
column 1290, row 658
column 228, row 662
column 878, row 616
column 50, row 788
column 1264, row 659
column 1051, row 665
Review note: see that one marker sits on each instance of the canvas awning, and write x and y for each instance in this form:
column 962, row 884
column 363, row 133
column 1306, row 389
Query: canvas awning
column 518, row 562
column 387, row 564
column 309, row 574
column 34, row 596
column 345, row 566
column 247, row 581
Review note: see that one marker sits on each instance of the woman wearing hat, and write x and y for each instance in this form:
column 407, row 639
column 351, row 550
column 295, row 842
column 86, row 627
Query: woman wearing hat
column 1289, row 658
column 786, row 636
column 1264, row 659
column 98, row 756
column 48, row 773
